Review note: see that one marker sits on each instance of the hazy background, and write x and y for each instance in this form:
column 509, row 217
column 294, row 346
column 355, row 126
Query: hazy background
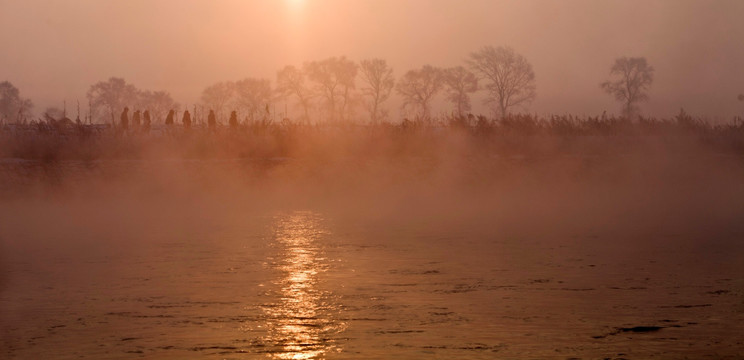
column 54, row 50
column 535, row 243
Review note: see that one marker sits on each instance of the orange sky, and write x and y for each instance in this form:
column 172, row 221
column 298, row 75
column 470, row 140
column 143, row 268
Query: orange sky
column 54, row 50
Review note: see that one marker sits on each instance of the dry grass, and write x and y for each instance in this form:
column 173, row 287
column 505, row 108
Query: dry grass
column 518, row 135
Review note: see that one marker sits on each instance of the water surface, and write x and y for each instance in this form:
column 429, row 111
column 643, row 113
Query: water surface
column 140, row 272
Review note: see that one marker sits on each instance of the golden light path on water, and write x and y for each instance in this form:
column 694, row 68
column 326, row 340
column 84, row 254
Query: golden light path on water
column 301, row 324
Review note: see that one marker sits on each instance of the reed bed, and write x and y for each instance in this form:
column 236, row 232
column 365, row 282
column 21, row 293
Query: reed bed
column 516, row 135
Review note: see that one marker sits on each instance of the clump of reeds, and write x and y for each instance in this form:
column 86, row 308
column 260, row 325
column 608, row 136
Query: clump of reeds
column 519, row 134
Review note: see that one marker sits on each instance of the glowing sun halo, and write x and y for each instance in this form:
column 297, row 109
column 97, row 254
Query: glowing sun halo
column 295, row 3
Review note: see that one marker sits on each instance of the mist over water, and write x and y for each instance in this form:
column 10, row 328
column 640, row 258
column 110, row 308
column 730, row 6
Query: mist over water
column 342, row 250
column 371, row 179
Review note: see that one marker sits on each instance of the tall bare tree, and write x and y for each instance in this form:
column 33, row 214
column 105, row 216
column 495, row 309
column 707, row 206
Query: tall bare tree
column 379, row 82
column 509, row 77
column 12, row 105
column 158, row 103
column 630, row 79
column 111, row 96
column 218, row 96
column 290, row 81
column 418, row 88
column 252, row 97
column 334, row 82
column 460, row 83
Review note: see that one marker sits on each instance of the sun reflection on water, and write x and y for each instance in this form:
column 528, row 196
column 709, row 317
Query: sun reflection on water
column 302, row 322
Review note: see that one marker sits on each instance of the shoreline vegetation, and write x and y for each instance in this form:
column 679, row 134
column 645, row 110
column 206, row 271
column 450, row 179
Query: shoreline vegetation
column 53, row 140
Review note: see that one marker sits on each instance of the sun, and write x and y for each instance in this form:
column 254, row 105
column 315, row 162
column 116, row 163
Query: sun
column 295, row 4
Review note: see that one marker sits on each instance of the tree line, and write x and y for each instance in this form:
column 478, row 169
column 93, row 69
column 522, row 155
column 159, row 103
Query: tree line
column 338, row 89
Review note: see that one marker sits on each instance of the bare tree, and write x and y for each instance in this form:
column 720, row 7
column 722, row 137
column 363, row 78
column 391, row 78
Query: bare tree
column 12, row 105
column 379, row 81
column 460, row 83
column 418, row 88
column 252, row 96
column 334, row 82
column 510, row 78
column 24, row 109
column 290, row 81
column 111, row 96
column 216, row 97
column 158, row 103
column 631, row 78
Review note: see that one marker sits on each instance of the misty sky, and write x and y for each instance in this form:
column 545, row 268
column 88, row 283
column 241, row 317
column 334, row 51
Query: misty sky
column 54, row 50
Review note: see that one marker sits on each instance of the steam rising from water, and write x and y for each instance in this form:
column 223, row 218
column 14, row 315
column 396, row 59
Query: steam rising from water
column 164, row 257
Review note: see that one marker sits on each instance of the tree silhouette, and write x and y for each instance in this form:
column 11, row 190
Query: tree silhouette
column 218, row 96
column 379, row 81
column 290, row 81
column 631, row 78
column 334, row 83
column 12, row 106
column 252, row 96
column 157, row 102
column 510, row 80
column 112, row 96
column 418, row 88
column 459, row 84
